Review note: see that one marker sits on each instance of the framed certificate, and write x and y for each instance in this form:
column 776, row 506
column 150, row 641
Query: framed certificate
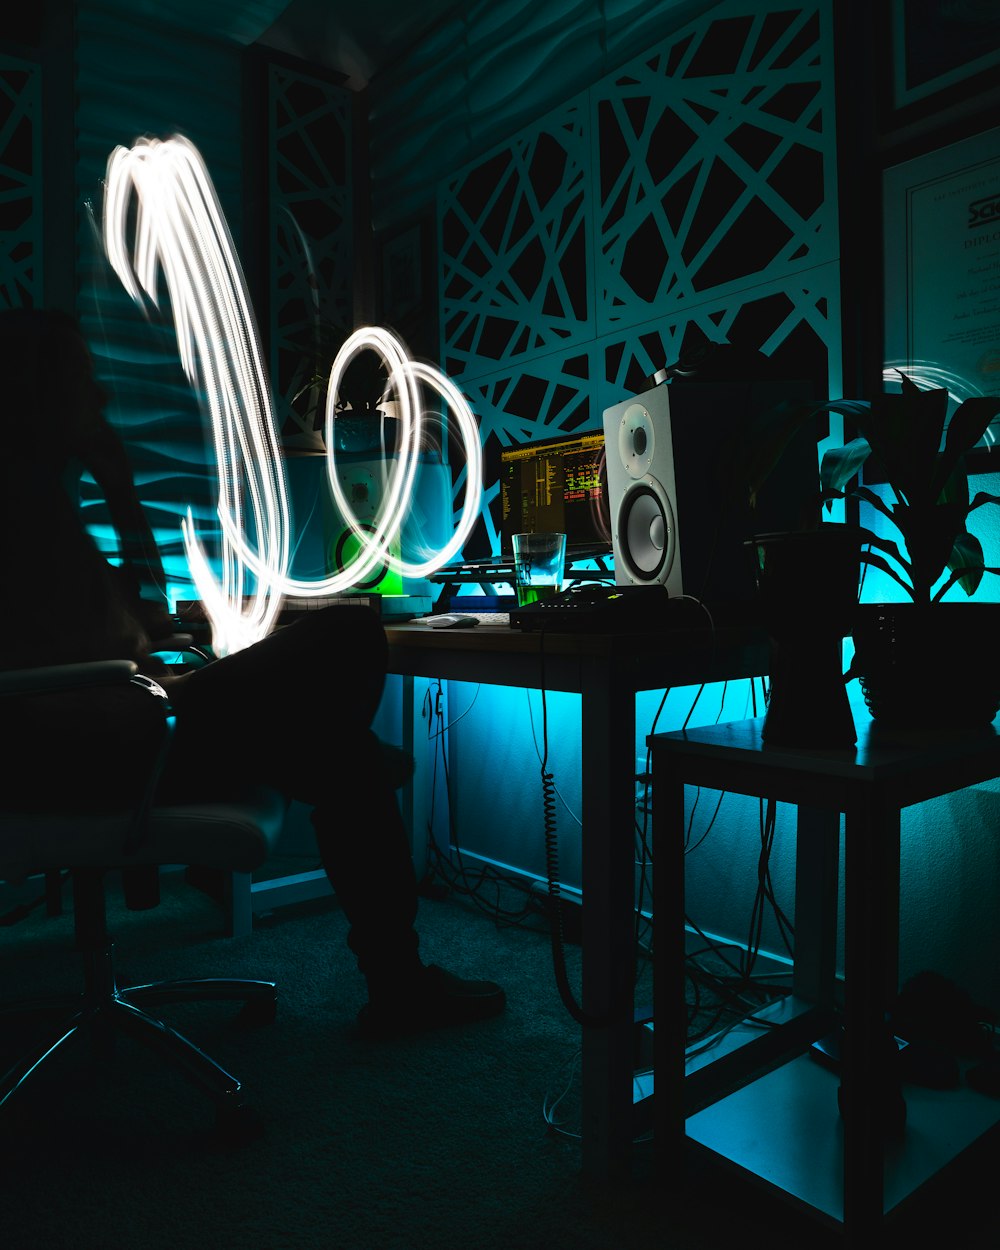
column 942, row 269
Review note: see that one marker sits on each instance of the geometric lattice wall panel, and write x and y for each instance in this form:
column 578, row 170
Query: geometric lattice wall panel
column 795, row 321
column 20, row 183
column 716, row 161
column 514, row 240
column 311, row 242
column 702, row 190
column 551, row 395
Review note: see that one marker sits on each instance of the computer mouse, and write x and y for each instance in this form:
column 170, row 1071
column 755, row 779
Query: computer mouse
column 450, row 620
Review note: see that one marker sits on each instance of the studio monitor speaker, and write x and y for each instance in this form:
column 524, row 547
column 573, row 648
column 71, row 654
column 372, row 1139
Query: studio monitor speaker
column 642, row 491
column 676, row 520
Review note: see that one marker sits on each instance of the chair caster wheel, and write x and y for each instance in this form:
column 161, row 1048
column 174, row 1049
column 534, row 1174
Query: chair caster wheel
column 236, row 1125
column 258, row 1011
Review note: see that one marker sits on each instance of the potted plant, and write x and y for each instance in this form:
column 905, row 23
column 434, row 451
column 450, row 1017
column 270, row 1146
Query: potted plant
column 910, row 656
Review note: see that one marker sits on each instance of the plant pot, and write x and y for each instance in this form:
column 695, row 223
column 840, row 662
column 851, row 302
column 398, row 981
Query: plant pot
column 929, row 666
column 807, row 588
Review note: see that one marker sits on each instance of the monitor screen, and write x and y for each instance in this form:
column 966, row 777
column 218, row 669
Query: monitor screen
column 558, row 484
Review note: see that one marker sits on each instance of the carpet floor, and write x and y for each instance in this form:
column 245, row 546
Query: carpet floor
column 439, row 1141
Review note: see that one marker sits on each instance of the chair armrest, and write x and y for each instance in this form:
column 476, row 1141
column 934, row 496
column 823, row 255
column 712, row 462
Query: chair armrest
column 67, row 676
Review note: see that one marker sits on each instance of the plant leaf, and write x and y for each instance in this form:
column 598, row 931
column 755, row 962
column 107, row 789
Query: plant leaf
column 905, row 433
column 876, row 562
column 968, row 562
column 890, row 548
column 859, row 409
column 955, row 577
column 909, row 387
column 965, row 429
column 875, row 501
column 840, row 464
column 930, row 532
column 956, row 490
column 981, row 498
column 867, row 538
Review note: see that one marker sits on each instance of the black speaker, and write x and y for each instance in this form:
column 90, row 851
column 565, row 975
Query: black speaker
column 679, row 515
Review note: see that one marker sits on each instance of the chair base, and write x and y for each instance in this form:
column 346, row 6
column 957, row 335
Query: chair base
column 103, row 1010
column 122, row 1012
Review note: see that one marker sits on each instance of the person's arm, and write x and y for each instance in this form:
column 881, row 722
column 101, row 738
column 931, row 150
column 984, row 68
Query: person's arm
column 141, row 581
column 104, row 455
column 63, row 604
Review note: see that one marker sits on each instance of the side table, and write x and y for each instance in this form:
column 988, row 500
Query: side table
column 773, row 1111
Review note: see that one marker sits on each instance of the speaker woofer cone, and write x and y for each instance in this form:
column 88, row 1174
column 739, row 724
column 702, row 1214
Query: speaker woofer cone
column 346, row 550
column 646, row 533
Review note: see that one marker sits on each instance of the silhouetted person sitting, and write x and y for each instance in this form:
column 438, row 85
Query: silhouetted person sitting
column 293, row 711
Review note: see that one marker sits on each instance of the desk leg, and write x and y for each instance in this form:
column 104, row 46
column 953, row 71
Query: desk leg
column 817, row 858
column 414, row 797
column 608, row 870
column 669, row 974
column 871, row 970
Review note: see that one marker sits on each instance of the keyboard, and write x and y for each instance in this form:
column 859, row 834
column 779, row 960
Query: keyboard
column 489, row 618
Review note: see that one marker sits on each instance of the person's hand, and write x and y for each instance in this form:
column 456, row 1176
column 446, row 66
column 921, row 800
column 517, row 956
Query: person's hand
column 158, row 623
column 151, row 614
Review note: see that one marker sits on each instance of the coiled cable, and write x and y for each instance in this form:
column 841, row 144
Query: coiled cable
column 557, row 935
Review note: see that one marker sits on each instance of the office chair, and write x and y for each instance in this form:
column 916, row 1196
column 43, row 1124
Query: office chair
column 232, row 835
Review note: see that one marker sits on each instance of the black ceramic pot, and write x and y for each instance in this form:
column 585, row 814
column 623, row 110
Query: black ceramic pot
column 929, row 666
column 807, row 586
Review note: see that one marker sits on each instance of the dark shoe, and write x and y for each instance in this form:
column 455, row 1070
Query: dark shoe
column 438, row 1000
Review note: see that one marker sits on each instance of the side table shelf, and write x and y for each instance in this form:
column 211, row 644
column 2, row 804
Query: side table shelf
column 776, row 1114
column 785, row 1128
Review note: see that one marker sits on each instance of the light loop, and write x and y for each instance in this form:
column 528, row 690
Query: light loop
column 179, row 227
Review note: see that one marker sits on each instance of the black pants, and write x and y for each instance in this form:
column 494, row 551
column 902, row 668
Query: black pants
column 293, row 712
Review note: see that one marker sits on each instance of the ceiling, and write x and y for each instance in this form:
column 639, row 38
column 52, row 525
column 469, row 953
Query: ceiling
column 360, row 38
column 355, row 38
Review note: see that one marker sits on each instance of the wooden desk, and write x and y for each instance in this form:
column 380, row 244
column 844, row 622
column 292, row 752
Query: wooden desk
column 779, row 1120
column 607, row 672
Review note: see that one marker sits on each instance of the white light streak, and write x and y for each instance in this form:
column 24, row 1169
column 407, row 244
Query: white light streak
column 178, row 229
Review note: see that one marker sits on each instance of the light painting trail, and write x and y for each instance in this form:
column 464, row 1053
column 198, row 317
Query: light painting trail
column 179, row 230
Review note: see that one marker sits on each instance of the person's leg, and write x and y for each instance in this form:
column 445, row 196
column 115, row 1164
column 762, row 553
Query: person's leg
column 294, row 711
column 366, row 854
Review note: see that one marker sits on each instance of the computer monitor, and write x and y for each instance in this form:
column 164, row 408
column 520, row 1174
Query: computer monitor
column 557, row 484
